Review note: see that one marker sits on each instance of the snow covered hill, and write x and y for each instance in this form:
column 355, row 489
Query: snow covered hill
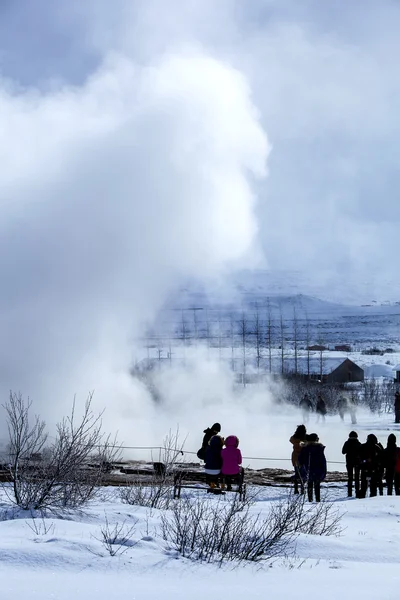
column 197, row 309
column 63, row 557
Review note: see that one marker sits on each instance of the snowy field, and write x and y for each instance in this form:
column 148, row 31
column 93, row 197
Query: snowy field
column 69, row 562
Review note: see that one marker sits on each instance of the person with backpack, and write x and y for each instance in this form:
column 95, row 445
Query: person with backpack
column 298, row 439
column 231, row 461
column 390, row 454
column 208, row 434
column 312, row 462
column 351, row 448
column 371, row 460
column 213, row 460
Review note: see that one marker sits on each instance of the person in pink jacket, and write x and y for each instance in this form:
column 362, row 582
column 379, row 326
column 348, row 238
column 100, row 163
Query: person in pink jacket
column 231, row 461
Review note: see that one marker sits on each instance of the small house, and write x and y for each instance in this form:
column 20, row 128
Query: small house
column 317, row 348
column 328, row 369
column 343, row 348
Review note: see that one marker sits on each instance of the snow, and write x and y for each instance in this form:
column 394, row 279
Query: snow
column 375, row 371
column 69, row 562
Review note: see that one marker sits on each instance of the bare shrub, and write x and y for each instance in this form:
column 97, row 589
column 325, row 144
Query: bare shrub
column 215, row 530
column 156, row 491
column 40, row 527
column 208, row 530
column 323, row 518
column 117, row 538
column 297, row 515
column 153, row 493
column 65, row 474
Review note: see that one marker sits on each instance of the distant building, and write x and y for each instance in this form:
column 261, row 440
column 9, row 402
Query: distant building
column 327, row 370
column 397, row 373
column 343, row 348
column 250, row 378
column 317, row 347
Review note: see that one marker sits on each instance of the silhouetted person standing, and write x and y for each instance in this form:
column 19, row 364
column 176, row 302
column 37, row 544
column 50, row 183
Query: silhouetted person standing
column 371, row 462
column 352, row 411
column 351, row 448
column 390, row 458
column 342, row 407
column 320, row 408
column 298, row 440
column 397, row 407
column 313, row 463
column 306, row 407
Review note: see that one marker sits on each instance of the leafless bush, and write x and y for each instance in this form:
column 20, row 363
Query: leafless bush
column 322, row 518
column 64, row 474
column 172, row 450
column 40, row 527
column 216, row 530
column 208, row 530
column 156, row 491
column 117, row 538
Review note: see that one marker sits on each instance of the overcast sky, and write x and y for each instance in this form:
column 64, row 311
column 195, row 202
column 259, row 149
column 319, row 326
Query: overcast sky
column 323, row 76
column 144, row 141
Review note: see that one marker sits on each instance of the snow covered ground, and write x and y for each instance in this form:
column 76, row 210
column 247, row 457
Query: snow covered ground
column 69, row 562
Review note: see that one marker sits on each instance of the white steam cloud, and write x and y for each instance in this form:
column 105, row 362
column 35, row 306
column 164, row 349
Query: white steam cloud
column 111, row 192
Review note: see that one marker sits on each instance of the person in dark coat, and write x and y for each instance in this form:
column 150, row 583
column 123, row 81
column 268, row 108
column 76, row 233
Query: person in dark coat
column 213, row 459
column 389, row 459
column 351, row 448
column 352, row 411
column 298, row 439
column 320, row 408
column 306, row 407
column 342, row 406
column 397, row 407
column 313, row 464
column 371, row 455
column 208, row 434
column 397, row 473
column 381, row 469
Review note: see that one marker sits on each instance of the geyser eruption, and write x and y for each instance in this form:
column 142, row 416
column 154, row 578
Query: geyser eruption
column 112, row 192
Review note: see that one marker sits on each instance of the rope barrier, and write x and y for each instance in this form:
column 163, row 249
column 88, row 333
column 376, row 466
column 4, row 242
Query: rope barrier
column 178, row 451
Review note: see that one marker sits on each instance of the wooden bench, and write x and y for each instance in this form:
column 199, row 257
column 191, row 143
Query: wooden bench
column 184, row 480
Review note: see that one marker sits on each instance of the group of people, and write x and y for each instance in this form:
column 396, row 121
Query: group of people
column 222, row 457
column 343, row 405
column 370, row 463
column 367, row 464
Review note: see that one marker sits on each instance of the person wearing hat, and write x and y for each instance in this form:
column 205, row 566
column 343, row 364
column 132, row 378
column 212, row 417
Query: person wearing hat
column 371, row 455
column 351, row 448
column 208, row 434
column 313, row 464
